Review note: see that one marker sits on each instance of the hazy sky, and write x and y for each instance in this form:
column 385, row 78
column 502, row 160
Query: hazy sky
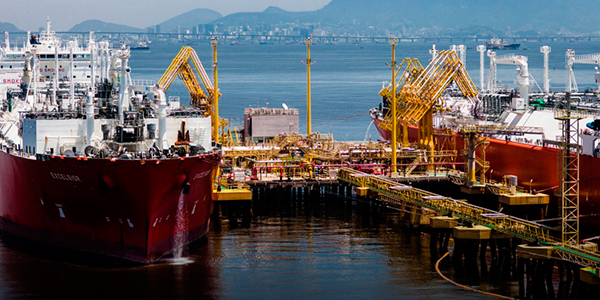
column 64, row 14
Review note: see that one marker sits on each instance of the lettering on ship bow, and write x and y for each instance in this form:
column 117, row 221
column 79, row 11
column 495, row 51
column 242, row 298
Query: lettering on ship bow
column 201, row 175
column 65, row 177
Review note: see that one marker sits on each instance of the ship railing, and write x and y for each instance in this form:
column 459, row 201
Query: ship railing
column 506, row 56
column 593, row 56
column 143, row 82
column 570, row 114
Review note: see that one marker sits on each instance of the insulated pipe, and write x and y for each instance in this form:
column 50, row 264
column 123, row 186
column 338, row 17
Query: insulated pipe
column 123, row 103
column 462, row 51
column 433, row 51
column 570, row 60
column 492, row 76
column 546, row 50
column 162, row 120
column 523, row 77
column 92, row 47
column 89, row 115
column 35, row 76
column 55, row 81
column 481, row 49
column 71, row 80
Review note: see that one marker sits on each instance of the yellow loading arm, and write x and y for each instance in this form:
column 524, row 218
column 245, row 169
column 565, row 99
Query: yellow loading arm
column 421, row 89
column 181, row 67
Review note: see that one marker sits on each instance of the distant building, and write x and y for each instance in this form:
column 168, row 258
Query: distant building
column 263, row 124
column 157, row 29
column 304, row 31
column 207, row 28
column 319, row 32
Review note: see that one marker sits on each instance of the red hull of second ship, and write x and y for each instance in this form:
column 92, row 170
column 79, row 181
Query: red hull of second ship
column 123, row 208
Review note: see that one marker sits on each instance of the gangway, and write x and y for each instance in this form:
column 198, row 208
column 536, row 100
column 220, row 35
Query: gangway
column 396, row 195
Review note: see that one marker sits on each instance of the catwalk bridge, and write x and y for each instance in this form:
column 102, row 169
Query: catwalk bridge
column 396, row 195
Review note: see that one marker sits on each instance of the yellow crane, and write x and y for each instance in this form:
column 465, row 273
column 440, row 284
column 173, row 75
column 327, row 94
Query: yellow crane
column 420, row 90
column 207, row 98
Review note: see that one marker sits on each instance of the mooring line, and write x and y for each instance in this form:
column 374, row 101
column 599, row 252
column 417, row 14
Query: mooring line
column 437, row 268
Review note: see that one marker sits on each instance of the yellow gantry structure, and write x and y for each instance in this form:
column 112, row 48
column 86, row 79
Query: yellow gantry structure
column 420, row 90
column 206, row 98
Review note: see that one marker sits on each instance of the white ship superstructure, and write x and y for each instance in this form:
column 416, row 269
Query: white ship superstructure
column 72, row 100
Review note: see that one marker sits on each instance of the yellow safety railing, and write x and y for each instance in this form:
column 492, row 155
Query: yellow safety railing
column 394, row 193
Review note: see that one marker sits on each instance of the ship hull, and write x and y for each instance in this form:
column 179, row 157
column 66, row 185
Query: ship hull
column 503, row 47
column 537, row 168
column 130, row 209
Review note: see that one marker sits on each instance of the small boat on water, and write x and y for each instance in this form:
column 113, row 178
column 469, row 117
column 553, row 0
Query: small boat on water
column 498, row 44
column 140, row 46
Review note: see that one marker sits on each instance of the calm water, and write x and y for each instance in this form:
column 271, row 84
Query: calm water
column 324, row 249
column 346, row 78
column 291, row 250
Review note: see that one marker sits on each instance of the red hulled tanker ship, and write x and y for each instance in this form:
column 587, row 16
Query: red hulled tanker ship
column 533, row 160
column 97, row 163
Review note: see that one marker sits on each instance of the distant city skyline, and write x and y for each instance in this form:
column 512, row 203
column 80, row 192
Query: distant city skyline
column 64, row 14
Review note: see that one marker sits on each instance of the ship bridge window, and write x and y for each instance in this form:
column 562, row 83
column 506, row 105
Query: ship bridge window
column 63, row 55
column 42, row 55
column 50, row 56
column 86, row 56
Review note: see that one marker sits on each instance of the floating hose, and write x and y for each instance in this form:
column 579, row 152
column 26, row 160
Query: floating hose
column 437, row 268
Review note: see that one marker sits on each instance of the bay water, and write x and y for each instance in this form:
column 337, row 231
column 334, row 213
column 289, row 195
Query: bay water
column 292, row 249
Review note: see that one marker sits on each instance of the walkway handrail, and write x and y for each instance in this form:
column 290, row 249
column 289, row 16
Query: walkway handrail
column 524, row 229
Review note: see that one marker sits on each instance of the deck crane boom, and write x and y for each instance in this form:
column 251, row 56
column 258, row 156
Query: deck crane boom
column 522, row 72
column 587, row 59
column 200, row 98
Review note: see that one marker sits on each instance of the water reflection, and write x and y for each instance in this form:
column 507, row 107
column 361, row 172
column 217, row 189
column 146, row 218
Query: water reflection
column 316, row 249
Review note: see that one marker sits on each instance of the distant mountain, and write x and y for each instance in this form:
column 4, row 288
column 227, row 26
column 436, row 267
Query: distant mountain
column 272, row 15
column 189, row 20
column 438, row 16
column 100, row 26
column 500, row 15
column 9, row 27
